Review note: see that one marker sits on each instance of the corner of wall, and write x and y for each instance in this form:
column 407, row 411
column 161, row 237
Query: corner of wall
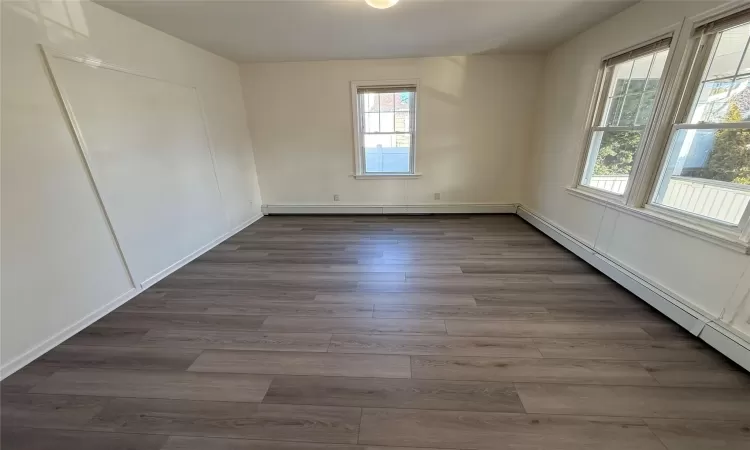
column 257, row 193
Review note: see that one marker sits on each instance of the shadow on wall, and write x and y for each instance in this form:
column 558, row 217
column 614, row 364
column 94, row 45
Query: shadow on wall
column 472, row 121
column 472, row 115
column 441, row 101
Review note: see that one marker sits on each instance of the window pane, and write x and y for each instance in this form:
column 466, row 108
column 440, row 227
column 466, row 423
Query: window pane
column 402, row 121
column 403, row 101
column 387, row 101
column 745, row 64
column 371, row 122
column 708, row 173
column 639, row 74
column 387, row 122
column 728, row 50
column 660, row 60
column 620, row 77
column 612, row 111
column 629, row 109
column 611, row 160
column 647, row 103
column 633, row 91
column 725, row 80
column 387, row 153
column 370, row 103
column 618, row 86
column 715, row 98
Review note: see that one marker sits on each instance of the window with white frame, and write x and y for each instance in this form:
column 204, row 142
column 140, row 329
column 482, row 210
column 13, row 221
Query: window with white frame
column 385, row 128
column 705, row 173
column 628, row 90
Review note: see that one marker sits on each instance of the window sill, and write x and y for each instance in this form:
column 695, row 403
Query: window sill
column 726, row 239
column 385, row 176
column 599, row 194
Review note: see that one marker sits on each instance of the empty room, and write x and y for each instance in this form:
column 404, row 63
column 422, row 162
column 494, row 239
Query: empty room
column 375, row 225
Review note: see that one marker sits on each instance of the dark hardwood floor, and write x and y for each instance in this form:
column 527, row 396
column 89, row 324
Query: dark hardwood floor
column 365, row 333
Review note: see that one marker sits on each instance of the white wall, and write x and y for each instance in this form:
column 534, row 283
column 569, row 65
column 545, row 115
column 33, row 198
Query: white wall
column 473, row 128
column 61, row 267
column 701, row 274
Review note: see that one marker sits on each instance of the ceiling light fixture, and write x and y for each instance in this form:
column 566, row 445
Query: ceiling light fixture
column 381, row 4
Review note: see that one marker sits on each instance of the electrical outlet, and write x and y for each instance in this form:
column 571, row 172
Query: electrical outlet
column 437, row 195
column 336, row 197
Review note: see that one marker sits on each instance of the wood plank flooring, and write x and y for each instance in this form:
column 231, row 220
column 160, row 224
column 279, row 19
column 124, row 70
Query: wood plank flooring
column 377, row 333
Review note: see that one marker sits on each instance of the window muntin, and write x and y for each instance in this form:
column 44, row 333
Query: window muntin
column 726, row 78
column 628, row 93
column 706, row 172
column 386, row 129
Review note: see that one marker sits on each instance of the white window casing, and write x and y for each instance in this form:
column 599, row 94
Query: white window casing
column 376, row 126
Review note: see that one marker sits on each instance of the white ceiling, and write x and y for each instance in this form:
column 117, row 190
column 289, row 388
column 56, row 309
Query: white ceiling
column 304, row 30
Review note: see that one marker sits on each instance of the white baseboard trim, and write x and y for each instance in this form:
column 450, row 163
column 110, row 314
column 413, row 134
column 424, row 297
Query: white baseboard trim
column 455, row 208
column 728, row 343
column 182, row 262
column 713, row 333
column 689, row 319
column 58, row 338
column 697, row 323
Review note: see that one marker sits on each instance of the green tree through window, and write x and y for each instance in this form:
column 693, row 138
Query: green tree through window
column 730, row 159
column 616, row 153
column 617, row 148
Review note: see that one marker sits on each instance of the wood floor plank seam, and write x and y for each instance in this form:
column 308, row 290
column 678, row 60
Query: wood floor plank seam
column 650, row 339
column 84, row 429
column 87, row 435
column 359, row 431
column 464, row 410
column 257, row 362
column 156, row 385
column 655, row 382
column 719, row 369
column 656, row 436
column 478, row 380
column 140, row 421
column 328, row 347
column 492, row 428
column 266, row 444
column 577, row 403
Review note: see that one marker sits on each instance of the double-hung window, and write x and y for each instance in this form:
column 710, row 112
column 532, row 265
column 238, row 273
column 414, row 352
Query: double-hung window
column 385, row 123
column 629, row 88
column 705, row 173
column 682, row 156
